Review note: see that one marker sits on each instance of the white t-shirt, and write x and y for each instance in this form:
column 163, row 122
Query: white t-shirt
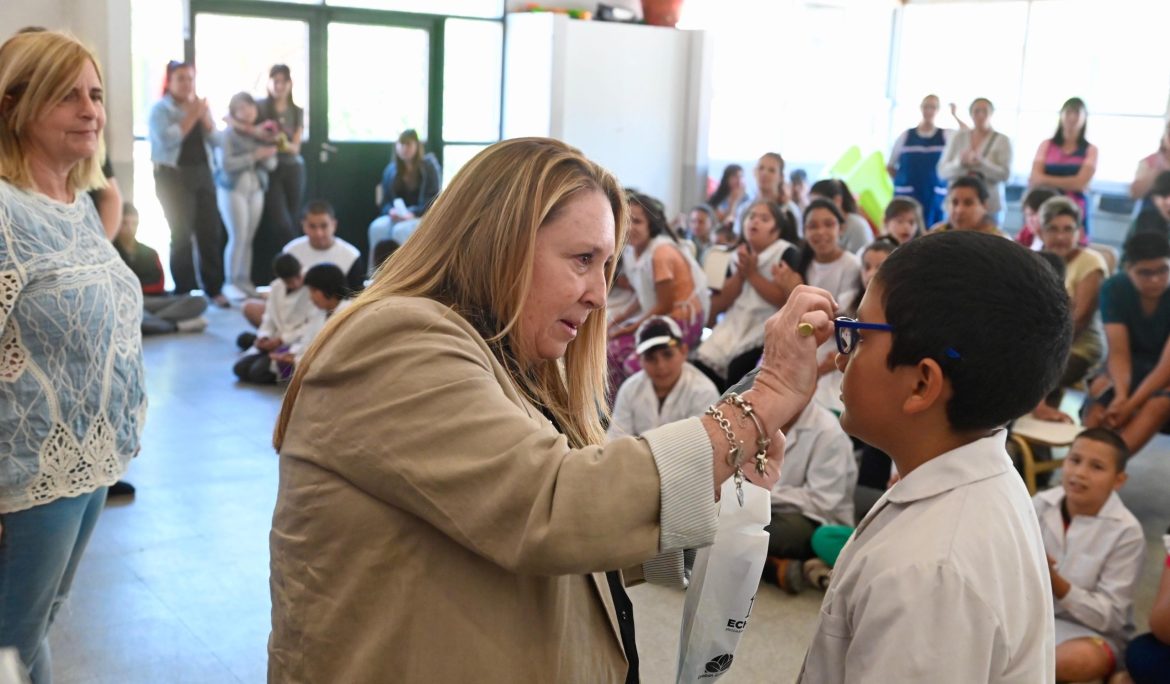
column 340, row 254
column 842, row 278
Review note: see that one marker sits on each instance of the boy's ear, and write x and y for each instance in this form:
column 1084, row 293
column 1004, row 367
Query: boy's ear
column 1120, row 480
column 928, row 390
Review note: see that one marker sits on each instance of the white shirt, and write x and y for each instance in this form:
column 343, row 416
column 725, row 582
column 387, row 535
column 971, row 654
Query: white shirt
column 742, row 328
column 818, row 474
column 843, row 279
column 340, row 254
column 945, row 580
column 636, row 409
column 285, row 314
column 300, row 344
column 1101, row 556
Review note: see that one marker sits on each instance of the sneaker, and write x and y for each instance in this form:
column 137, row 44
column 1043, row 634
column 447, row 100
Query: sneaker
column 246, row 340
column 120, row 488
column 192, row 325
column 784, row 573
column 221, row 301
column 817, row 573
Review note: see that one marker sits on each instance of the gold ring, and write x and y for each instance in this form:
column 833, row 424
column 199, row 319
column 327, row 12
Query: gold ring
column 804, row 329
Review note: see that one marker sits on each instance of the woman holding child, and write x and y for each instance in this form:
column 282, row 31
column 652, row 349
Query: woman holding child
column 497, row 504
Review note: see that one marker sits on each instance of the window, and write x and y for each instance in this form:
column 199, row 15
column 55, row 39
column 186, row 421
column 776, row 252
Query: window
column 488, row 9
column 472, row 70
column 368, row 102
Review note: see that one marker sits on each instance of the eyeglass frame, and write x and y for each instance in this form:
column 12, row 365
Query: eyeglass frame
column 845, row 323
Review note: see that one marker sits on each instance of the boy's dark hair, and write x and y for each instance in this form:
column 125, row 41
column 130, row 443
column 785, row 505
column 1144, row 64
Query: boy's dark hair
column 974, row 183
column 955, row 297
column 319, row 206
column 1146, row 245
column 885, row 243
column 906, row 205
column 1109, row 438
column 1161, row 185
column 798, row 176
column 1036, row 197
column 128, row 209
column 383, row 250
column 782, row 217
column 832, row 188
column 329, row 279
column 286, row 265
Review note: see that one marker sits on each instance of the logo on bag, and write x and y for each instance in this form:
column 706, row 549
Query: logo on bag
column 734, row 625
column 719, row 664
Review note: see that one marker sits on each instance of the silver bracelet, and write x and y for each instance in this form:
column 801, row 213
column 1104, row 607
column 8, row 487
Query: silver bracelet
column 734, row 458
column 763, row 441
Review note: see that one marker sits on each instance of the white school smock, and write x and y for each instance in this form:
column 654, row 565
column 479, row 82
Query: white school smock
column 843, row 279
column 636, row 410
column 639, row 270
column 1101, row 556
column 944, row 580
column 286, row 314
column 818, row 474
column 742, row 327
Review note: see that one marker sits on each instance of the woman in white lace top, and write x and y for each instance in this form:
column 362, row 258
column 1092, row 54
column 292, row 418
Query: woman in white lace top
column 72, row 397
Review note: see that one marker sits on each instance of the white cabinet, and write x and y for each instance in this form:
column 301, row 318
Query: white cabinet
column 633, row 98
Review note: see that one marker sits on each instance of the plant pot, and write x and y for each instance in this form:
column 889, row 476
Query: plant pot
column 661, row 12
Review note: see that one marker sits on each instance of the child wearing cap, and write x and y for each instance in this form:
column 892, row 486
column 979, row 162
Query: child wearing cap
column 1095, row 552
column 945, row 579
column 668, row 388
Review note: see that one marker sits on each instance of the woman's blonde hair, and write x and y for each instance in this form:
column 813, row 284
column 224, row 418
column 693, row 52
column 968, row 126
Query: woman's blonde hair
column 474, row 251
column 37, row 71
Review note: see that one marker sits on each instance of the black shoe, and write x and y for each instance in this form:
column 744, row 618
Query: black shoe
column 120, row 488
column 245, row 341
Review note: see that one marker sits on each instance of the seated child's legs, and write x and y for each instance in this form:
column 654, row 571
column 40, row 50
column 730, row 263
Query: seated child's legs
column 176, row 308
column 254, row 311
column 256, row 369
column 1075, row 371
column 156, row 325
column 1084, row 659
column 790, row 536
column 1147, row 659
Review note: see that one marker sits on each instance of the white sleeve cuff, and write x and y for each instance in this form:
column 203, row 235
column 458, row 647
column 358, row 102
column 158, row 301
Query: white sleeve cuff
column 683, row 454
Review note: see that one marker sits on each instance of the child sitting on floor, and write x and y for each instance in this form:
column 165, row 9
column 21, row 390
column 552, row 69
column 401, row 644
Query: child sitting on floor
column 666, row 389
column 816, row 485
column 162, row 313
column 1095, row 551
column 945, row 579
column 288, row 313
column 328, row 291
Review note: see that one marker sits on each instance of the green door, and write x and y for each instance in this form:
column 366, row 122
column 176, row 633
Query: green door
column 362, row 76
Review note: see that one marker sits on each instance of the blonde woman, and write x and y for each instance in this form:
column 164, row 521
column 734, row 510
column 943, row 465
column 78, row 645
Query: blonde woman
column 71, row 384
column 449, row 509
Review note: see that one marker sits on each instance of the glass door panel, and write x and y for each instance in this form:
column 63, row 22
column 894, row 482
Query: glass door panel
column 367, row 102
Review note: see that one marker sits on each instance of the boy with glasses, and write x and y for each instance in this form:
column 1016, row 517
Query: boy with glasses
column 1131, row 397
column 945, row 579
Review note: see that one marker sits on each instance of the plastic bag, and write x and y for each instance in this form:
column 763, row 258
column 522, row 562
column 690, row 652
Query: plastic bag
column 723, row 585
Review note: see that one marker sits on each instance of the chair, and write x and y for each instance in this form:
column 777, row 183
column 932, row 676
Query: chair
column 1027, row 432
column 715, row 265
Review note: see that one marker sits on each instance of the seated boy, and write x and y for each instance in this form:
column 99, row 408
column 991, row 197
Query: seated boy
column 288, row 313
column 817, row 479
column 1095, row 551
column 945, row 579
column 1132, row 396
column 319, row 245
column 162, row 313
column 328, row 292
column 666, row 389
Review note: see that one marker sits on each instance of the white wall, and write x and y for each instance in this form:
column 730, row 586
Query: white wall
column 103, row 25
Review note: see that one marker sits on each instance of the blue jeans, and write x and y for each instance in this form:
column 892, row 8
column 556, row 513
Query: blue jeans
column 39, row 552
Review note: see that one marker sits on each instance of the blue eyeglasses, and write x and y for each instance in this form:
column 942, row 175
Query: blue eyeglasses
column 846, row 328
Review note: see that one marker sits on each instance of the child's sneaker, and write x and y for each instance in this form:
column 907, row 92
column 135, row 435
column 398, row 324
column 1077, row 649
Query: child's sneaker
column 817, row 573
column 784, row 573
column 192, row 325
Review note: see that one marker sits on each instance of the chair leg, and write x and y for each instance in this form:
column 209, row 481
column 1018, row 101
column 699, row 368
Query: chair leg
column 1029, row 462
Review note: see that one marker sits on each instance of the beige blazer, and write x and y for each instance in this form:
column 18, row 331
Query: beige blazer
column 431, row 525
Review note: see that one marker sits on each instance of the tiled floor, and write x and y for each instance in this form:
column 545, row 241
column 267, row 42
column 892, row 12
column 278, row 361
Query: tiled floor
column 174, row 586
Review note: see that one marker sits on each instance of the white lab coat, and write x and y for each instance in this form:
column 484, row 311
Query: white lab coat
column 742, row 328
column 944, row 580
column 300, row 344
column 286, row 314
column 818, row 474
column 636, row 410
column 1101, row 557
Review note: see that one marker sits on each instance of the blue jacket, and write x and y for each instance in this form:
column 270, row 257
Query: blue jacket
column 428, row 187
column 166, row 137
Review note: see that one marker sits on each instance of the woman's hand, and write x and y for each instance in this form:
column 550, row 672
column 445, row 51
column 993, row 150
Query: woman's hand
column 788, row 369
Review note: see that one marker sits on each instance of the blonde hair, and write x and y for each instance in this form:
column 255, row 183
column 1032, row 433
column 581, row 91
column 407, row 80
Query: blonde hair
column 37, row 71
column 474, row 251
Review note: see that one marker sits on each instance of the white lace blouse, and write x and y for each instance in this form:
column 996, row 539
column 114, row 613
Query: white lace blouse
column 72, row 395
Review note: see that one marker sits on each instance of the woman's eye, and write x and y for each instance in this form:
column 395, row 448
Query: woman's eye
column 585, row 259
